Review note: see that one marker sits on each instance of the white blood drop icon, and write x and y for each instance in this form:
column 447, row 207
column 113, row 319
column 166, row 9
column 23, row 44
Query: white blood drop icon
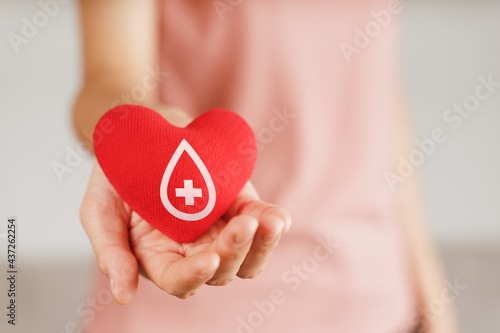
column 188, row 192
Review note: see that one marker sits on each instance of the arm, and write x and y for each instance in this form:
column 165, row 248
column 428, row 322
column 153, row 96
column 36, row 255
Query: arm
column 427, row 269
column 120, row 39
column 120, row 42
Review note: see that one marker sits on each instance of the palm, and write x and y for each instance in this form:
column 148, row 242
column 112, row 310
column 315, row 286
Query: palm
column 144, row 237
column 152, row 247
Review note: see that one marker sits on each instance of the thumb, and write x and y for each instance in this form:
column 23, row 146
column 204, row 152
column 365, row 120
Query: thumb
column 107, row 228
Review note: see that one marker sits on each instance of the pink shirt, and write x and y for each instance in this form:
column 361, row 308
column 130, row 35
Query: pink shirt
column 324, row 130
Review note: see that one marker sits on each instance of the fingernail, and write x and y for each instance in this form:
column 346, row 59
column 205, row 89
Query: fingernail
column 241, row 239
column 286, row 227
column 208, row 270
column 279, row 228
column 205, row 272
column 270, row 238
column 113, row 288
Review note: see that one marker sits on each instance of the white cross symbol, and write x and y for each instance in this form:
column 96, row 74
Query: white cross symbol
column 188, row 192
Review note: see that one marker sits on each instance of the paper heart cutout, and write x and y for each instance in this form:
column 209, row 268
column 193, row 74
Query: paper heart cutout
column 180, row 180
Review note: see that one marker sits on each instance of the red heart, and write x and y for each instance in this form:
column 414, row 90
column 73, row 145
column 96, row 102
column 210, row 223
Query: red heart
column 180, row 180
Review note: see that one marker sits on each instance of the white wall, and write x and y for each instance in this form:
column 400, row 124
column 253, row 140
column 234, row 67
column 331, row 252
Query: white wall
column 37, row 87
column 447, row 45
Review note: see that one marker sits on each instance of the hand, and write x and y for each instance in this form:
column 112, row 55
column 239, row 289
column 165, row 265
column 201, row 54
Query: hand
column 238, row 244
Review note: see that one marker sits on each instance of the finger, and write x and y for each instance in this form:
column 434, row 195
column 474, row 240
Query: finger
column 108, row 233
column 259, row 209
column 180, row 276
column 249, row 203
column 247, row 193
column 265, row 241
column 232, row 245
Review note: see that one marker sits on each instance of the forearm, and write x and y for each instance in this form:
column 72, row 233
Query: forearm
column 426, row 268
column 120, row 40
column 435, row 299
column 97, row 96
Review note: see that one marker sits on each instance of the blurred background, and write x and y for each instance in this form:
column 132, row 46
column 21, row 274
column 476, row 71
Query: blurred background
column 447, row 45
